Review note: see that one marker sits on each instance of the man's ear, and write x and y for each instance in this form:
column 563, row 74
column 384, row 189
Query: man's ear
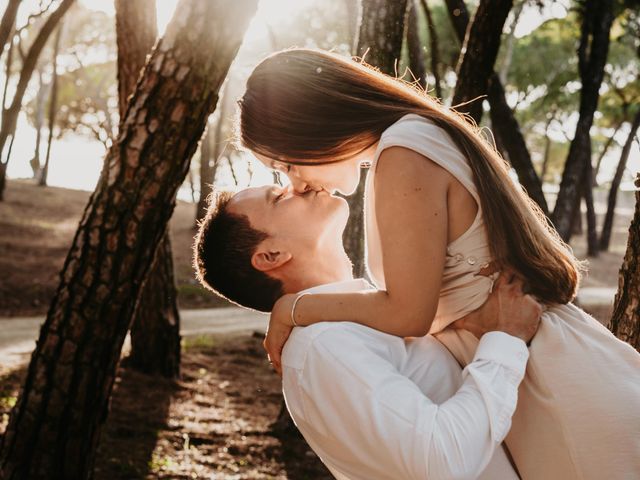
column 267, row 260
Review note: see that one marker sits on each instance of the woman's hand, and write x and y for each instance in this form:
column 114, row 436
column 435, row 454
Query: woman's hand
column 279, row 329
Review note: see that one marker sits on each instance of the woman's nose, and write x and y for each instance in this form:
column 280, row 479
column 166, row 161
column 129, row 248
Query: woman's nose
column 299, row 185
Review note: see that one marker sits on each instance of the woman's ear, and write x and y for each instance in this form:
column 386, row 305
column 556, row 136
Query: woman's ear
column 267, row 260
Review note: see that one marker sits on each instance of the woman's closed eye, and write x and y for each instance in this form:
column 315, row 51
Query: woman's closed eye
column 281, row 167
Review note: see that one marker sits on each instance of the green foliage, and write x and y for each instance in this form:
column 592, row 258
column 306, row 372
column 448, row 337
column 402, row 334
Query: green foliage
column 87, row 89
column 544, row 80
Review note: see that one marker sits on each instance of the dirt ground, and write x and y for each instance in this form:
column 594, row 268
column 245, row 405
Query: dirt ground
column 213, row 423
column 36, row 229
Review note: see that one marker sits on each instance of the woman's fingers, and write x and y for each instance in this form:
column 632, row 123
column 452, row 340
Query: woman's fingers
column 274, row 352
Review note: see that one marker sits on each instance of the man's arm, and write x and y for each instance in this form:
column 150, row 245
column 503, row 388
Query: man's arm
column 353, row 406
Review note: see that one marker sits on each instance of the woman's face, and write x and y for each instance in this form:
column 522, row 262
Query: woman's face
column 342, row 177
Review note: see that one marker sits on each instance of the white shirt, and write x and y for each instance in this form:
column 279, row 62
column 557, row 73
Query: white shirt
column 376, row 406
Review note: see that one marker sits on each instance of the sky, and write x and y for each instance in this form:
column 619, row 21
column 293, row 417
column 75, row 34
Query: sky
column 77, row 161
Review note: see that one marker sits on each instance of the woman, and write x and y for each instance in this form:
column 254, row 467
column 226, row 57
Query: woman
column 441, row 212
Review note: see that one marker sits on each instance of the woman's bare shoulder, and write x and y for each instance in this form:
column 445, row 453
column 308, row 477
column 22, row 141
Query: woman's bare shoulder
column 402, row 164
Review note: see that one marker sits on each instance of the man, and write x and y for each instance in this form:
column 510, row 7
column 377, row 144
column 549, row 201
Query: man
column 370, row 404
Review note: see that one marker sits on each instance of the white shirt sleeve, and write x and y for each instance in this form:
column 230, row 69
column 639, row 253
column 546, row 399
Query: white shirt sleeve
column 368, row 421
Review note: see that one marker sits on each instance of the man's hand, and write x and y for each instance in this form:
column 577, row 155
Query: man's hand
column 507, row 310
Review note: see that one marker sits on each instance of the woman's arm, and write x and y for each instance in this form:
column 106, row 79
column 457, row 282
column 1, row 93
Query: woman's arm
column 411, row 212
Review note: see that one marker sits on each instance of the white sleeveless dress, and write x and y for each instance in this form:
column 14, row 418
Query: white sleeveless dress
column 578, row 414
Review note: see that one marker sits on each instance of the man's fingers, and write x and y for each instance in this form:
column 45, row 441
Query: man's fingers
column 501, row 280
column 517, row 285
column 491, row 268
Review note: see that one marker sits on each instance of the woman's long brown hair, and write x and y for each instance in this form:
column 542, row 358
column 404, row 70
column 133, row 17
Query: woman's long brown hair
column 307, row 106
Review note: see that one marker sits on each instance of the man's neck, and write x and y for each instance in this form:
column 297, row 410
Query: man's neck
column 318, row 274
column 315, row 282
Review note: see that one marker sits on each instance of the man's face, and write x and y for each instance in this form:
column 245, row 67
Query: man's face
column 303, row 224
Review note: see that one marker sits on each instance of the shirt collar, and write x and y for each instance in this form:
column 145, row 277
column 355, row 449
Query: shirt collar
column 343, row 286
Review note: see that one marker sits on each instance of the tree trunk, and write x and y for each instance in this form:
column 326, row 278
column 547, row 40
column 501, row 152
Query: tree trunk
column 53, row 105
column 10, row 115
column 381, row 34
column 7, row 75
column 54, row 428
column 435, row 49
column 607, row 227
column 155, row 331
column 212, row 156
column 507, row 128
column 547, row 150
column 43, row 93
column 592, row 231
column 592, row 55
column 353, row 21
column 459, row 16
column 478, row 56
column 206, row 170
column 604, row 151
column 136, row 33
column 416, row 51
column 7, row 24
column 509, row 42
column 625, row 321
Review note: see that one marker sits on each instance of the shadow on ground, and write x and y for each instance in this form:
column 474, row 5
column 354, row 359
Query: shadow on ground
column 214, row 422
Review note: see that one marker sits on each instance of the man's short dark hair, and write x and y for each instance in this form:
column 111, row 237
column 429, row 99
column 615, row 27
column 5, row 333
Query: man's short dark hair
column 223, row 249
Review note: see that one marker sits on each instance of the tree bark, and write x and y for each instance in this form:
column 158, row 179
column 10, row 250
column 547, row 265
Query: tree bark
column 478, row 56
column 53, row 106
column 547, row 149
column 10, row 115
column 353, row 21
column 55, row 426
column 206, row 170
column 7, row 24
column 604, row 151
column 592, row 56
column 607, row 227
column 509, row 42
column 592, row 232
column 136, row 33
column 381, row 34
column 43, row 93
column 416, row 52
column 212, row 156
column 435, row 49
column 459, row 16
column 625, row 321
column 155, row 331
column 506, row 128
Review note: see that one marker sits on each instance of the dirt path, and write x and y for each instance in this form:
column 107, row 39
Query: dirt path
column 18, row 334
